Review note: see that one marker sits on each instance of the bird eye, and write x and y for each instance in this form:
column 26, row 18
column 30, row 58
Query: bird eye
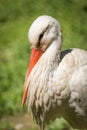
column 40, row 37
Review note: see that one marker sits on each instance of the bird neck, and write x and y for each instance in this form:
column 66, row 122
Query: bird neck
column 52, row 54
column 43, row 71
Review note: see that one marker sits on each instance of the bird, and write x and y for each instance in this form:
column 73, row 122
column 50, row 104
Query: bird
column 56, row 80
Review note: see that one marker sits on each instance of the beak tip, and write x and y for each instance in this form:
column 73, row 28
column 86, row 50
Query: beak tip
column 24, row 97
column 23, row 102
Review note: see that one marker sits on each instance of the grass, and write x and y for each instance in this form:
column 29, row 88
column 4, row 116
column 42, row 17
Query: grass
column 15, row 19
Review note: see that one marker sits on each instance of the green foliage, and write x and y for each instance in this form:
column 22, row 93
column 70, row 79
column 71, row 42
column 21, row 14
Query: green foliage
column 6, row 126
column 15, row 19
column 13, row 65
column 59, row 124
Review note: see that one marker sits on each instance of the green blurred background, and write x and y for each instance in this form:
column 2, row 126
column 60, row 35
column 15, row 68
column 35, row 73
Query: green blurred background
column 16, row 16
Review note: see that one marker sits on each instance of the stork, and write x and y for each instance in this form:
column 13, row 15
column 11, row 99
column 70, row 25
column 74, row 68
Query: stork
column 56, row 81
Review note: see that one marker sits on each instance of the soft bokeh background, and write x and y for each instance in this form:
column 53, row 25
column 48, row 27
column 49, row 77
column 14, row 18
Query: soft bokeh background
column 16, row 17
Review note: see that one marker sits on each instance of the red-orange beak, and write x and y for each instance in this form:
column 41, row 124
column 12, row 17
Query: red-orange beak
column 35, row 55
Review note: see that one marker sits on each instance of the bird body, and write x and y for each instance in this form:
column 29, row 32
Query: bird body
column 57, row 83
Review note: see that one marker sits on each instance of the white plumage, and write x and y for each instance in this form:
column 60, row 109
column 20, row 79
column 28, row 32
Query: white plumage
column 57, row 84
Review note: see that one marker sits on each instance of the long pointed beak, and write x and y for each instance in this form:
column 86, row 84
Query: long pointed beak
column 35, row 55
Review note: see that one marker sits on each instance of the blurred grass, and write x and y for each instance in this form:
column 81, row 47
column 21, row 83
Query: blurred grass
column 15, row 19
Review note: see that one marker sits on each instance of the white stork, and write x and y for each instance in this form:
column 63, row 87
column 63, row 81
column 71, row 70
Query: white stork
column 56, row 81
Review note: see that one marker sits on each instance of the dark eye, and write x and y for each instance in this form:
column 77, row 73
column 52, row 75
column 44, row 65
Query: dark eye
column 40, row 37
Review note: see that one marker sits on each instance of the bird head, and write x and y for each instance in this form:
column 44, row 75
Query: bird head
column 43, row 31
